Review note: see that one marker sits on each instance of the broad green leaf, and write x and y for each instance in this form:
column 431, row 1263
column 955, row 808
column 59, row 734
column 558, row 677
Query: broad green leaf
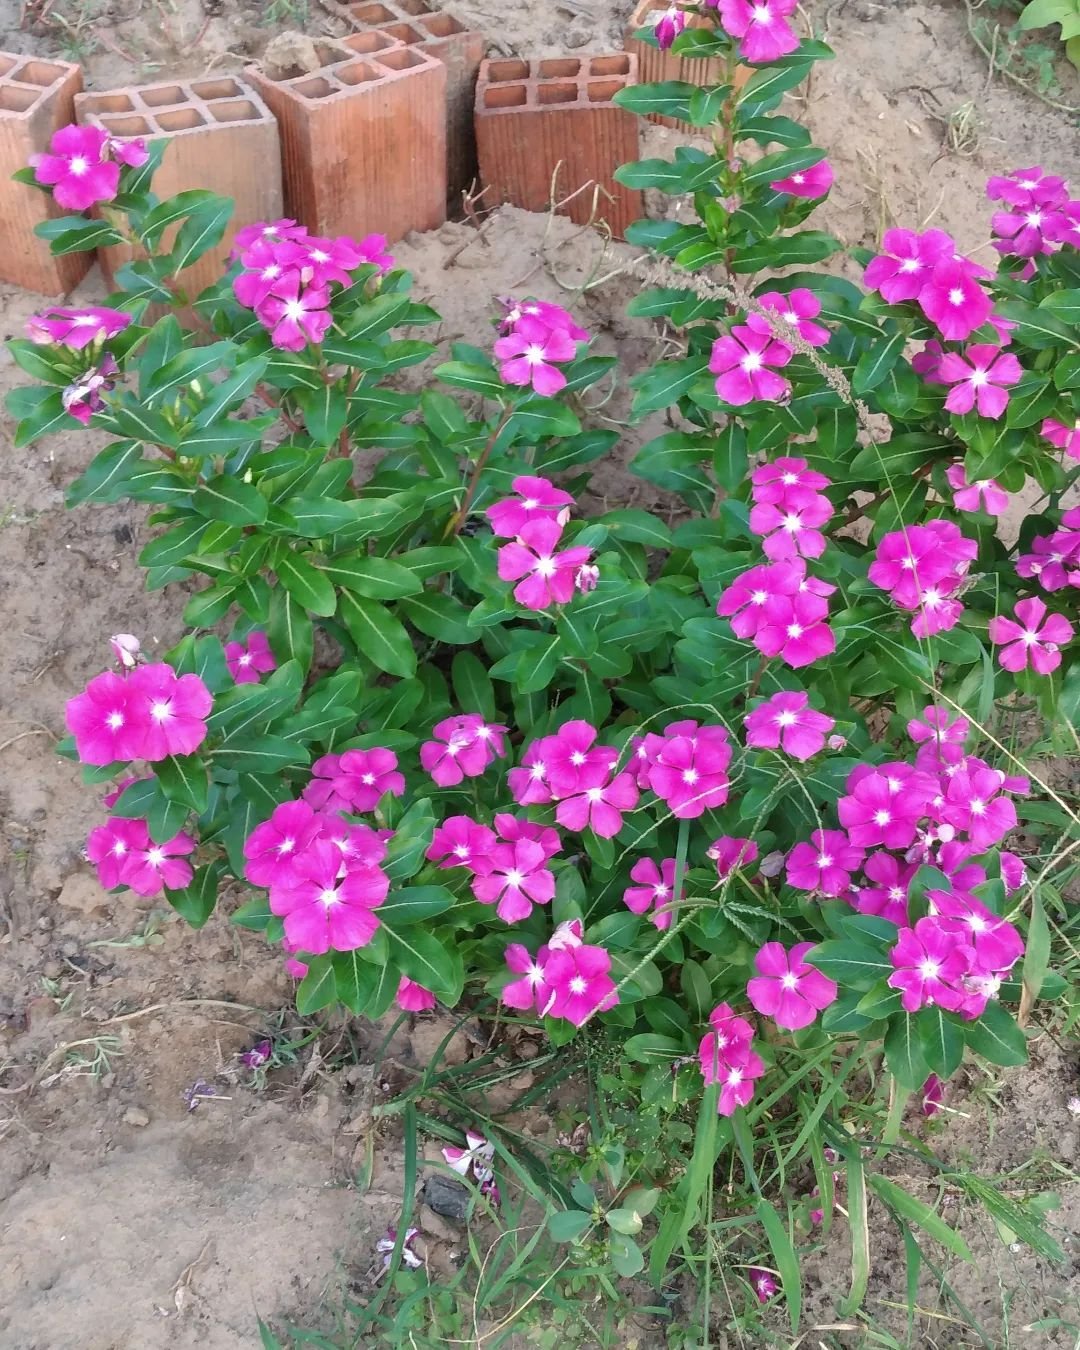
column 378, row 634
column 995, row 1036
column 228, row 498
column 412, row 904
column 195, row 903
column 911, row 1210
column 307, row 584
column 428, row 961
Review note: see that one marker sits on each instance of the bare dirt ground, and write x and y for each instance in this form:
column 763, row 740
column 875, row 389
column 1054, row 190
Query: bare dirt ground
column 128, row 1220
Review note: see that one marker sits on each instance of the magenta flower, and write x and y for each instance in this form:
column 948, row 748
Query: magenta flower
column 460, row 842
column 374, row 251
column 328, row 260
column 982, row 495
column 170, row 709
column 927, row 363
column 266, row 263
column 532, row 353
column 797, row 309
column 728, row 1042
column 1054, row 560
column 329, row 906
column 552, row 316
column 413, row 997
column 76, row 328
column 1064, row 437
column 793, row 629
column 112, row 846
column 744, row 601
column 889, row 897
column 931, row 1095
column 689, row 773
column 536, row 499
column 668, row 24
column 295, row 316
column 787, row 721
column 599, row 805
column 929, row 964
column 763, row 1282
column 572, row 759
column 545, row 577
column 272, row 848
column 737, row 1083
column 979, row 378
column 882, row 809
column 510, row 829
column 275, row 231
column 811, row 183
column 1036, row 639
column 75, row 168
column 786, row 989
column 386, row 1244
column 106, row 726
column 731, row 854
column 529, row 991
column 787, row 482
column 996, row 943
column 476, row 1157
column 1028, row 187
column 655, row 890
column 907, row 264
column 973, row 805
column 825, row 864
column 528, row 782
column 580, row 984
column 941, row 733
column 909, row 560
column 954, row 301
column 248, row 660
column 464, row 746
column 741, row 360
column 516, row 878
column 791, row 531
column 149, row 869
column 83, row 397
column 355, row 781
column 761, row 27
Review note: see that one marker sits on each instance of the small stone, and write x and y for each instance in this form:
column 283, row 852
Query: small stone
column 577, row 35
column 437, row 1227
column 82, row 892
column 447, row 1197
column 527, row 1049
column 136, row 1116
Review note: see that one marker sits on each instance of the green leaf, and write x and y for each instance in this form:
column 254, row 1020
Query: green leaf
column 995, row 1036
column 261, row 754
column 1064, row 305
column 318, row 988
column 875, row 363
column 195, row 903
column 203, row 229
column 194, row 363
column 534, row 418
column 183, row 779
column 228, row 498
column 428, row 961
column 326, row 411
column 354, row 980
column 1036, row 328
column 568, row 1225
column 307, row 585
column 478, row 379
column 372, row 576
column 377, row 314
column 903, row 1052
column 782, row 164
column 692, row 171
column 473, row 689
column 378, row 635
column 289, row 629
column 765, row 88
column 669, row 98
column 787, row 1263
column 650, row 1048
column 910, row 1210
column 788, row 250
column 941, row 1040
column 76, row 234
column 439, row 616
column 852, row 965
column 415, row 903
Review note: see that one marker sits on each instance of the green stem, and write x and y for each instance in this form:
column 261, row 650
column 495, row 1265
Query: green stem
column 898, row 1099
column 458, row 519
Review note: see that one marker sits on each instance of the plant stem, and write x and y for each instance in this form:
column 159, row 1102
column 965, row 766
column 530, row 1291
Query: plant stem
column 457, row 520
column 898, row 1098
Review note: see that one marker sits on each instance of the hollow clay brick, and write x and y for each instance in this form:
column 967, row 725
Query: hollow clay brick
column 534, row 117
column 460, row 50
column 222, row 138
column 364, row 139
column 37, row 98
column 655, row 66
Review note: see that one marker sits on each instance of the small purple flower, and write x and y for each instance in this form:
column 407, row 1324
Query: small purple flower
column 763, row 1283
column 386, row 1244
column 257, row 1056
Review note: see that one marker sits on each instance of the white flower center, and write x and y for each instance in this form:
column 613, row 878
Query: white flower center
column 155, row 856
column 824, row 860
column 546, row 567
column 245, row 660
column 114, row 720
column 956, row 296
column 515, row 877
column 287, row 845
column 758, row 597
column 791, row 523
column 461, row 851
column 911, row 265
column 1034, row 219
column 792, row 318
column 929, row 970
column 882, row 817
column 160, row 712
column 978, row 807
column 594, row 794
column 751, row 362
column 294, row 310
column 329, row 897
column 979, row 377
column 690, row 776
column 578, row 985
column 118, row 849
column 794, row 630
column 786, row 719
column 368, row 779
column 735, row 1077
column 577, row 759
column 762, row 14
column 78, row 166
column 788, row 981
column 534, row 355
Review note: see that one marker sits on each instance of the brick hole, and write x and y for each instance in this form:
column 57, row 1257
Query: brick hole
column 603, row 91
column 217, row 89
column 41, row 73
column 505, row 96
column 17, row 98
column 556, row 93
column 108, row 103
column 372, row 14
column 238, row 110
column 180, row 119
column 405, row 59
column 7, row 63
column 163, row 96
column 560, row 69
column 498, row 71
column 364, row 44
column 414, row 6
column 127, row 126
column 403, row 32
column 609, row 65
column 441, row 25
column 357, row 73
column 316, row 88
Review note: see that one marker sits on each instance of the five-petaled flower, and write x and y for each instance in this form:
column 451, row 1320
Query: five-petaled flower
column 786, row 721
column 786, row 988
column 1036, row 640
column 545, row 575
column 741, row 361
column 532, row 354
column 979, row 379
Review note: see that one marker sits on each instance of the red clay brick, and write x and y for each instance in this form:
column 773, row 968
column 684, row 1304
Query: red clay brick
column 532, row 117
column 37, row 98
column 460, row 50
column 655, row 66
column 364, row 139
column 222, row 138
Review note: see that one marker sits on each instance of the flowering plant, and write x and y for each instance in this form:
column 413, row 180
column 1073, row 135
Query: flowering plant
column 740, row 788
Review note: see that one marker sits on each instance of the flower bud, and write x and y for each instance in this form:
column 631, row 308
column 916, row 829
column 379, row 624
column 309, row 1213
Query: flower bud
column 587, row 578
column 126, row 648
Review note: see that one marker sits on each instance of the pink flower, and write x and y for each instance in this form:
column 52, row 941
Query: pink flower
column 536, row 499
column 386, row 1244
column 476, row 1157
column 374, row 251
column 272, row 848
column 587, row 578
column 741, row 362
column 267, row 262
column 579, row 982
column 931, row 1095
column 954, row 301
column 76, row 328
column 763, row 1283
column 75, row 168
column 668, row 24
column 793, row 629
column 571, row 759
column 104, row 722
column 329, row 905
column 797, row 309
column 531, row 355
column 984, row 494
column 882, row 808
column 463, row 748
column 811, row 183
column 825, row 864
column 599, row 804
column 791, row 531
column 910, row 560
column 112, row 846
column 552, row 316
column 787, row 721
column 727, row 1043
column 329, row 260
column 1027, row 187
column 889, row 898
column 150, row 868
column 745, row 600
column 528, row 783
column 996, row 943
column 786, row 989
column 170, row 709
column 413, row 997
column 247, row 661
column 126, row 648
column 355, row 781
column 654, row 891
column 900, row 273
column 927, row 363
column 359, row 845
column 732, row 855
column 530, row 990
column 689, row 773
column 516, row 878
column 972, row 805
column 511, row 829
column 1064, row 437
column 940, row 732
column 544, row 576
column 1037, row 638
column 114, row 794
column 273, row 231
column 761, row 27
column 787, row 482
column 83, row 397
column 929, row 963
column 460, row 842
column 1054, row 560
column 979, row 378
column 294, row 316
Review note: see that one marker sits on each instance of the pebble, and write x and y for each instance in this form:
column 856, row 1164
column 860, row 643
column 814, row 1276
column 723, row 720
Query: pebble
column 136, row 1116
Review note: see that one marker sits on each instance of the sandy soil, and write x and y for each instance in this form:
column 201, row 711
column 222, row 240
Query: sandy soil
column 133, row 1223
